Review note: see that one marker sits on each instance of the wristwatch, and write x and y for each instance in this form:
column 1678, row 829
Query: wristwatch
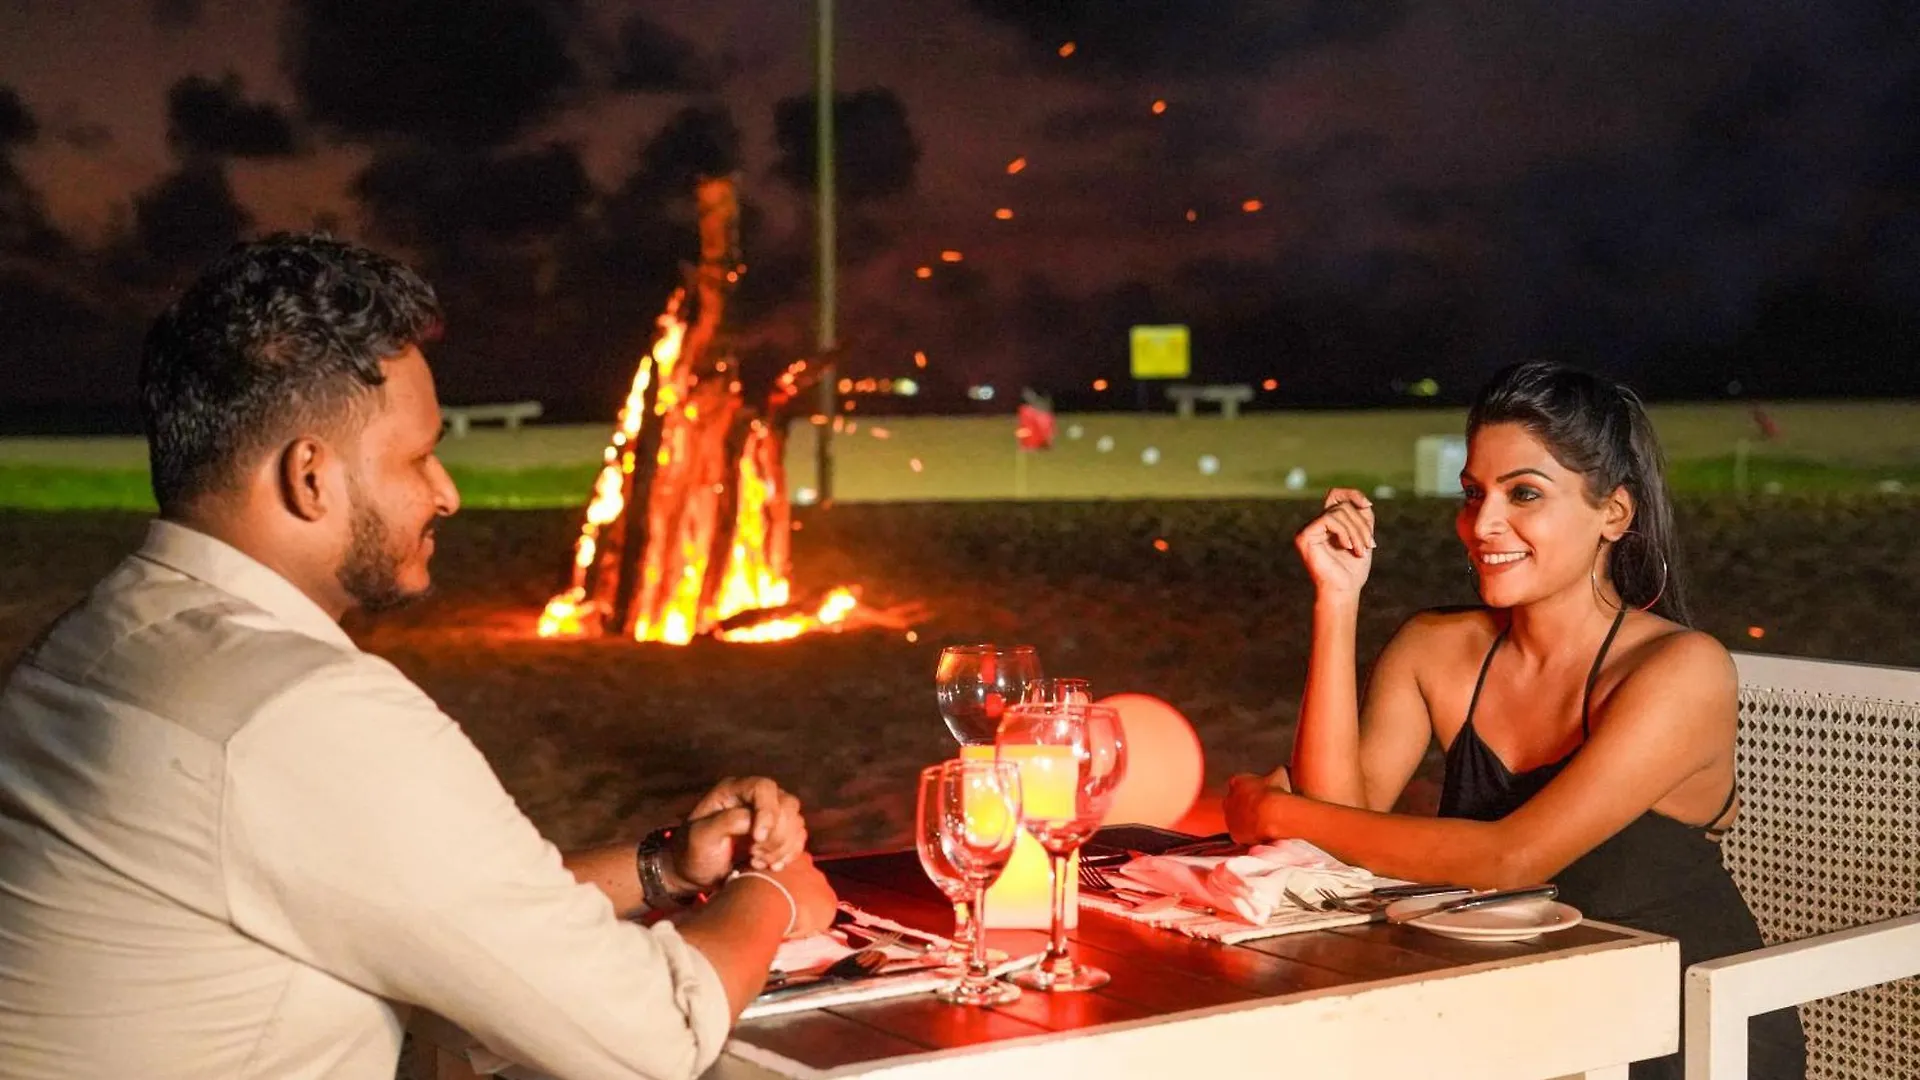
column 651, row 858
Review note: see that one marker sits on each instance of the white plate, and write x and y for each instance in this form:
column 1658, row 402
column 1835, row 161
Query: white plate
column 1517, row 921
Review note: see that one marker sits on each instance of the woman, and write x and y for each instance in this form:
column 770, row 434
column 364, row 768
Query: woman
column 1588, row 731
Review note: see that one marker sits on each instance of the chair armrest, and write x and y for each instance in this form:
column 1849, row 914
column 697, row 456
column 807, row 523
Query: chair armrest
column 1721, row 995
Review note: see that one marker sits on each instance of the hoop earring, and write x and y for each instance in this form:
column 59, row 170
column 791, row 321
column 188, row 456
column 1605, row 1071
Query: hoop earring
column 1593, row 577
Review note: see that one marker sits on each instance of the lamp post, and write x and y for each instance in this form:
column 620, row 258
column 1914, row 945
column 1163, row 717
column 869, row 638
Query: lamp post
column 827, row 336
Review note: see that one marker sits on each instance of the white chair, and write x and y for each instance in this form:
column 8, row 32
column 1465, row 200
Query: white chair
column 1827, row 854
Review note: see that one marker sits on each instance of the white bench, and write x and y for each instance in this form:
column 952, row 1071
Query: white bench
column 1228, row 396
column 460, row 418
column 1826, row 851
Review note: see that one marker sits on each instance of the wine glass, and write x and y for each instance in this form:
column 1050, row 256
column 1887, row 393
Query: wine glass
column 1042, row 691
column 974, row 684
column 979, row 807
column 933, row 859
column 1073, row 755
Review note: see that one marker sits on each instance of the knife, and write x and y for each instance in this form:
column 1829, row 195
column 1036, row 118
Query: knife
column 1419, row 908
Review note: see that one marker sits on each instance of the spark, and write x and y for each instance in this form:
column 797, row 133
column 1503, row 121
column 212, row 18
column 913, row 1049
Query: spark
column 1016, row 165
column 1252, row 206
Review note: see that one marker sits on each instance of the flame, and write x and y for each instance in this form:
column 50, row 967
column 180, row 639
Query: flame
column 570, row 613
column 832, row 612
column 675, row 601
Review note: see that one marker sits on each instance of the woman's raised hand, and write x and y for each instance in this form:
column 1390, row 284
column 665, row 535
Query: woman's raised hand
column 1337, row 546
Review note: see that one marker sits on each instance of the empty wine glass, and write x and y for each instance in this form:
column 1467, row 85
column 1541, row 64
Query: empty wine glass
column 1071, row 691
column 933, row 859
column 979, row 808
column 974, row 684
column 1073, row 756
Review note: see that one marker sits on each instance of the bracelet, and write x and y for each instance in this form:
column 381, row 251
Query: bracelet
column 793, row 906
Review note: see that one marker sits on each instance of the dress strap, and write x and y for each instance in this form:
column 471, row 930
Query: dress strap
column 1485, row 666
column 1593, row 675
column 1710, row 827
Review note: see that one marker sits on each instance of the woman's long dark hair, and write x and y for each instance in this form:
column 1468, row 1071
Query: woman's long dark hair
column 1598, row 428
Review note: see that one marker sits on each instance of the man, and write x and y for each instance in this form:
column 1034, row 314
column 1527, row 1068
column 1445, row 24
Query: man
column 232, row 844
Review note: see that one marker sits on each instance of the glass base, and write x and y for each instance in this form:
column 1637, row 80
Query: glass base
column 982, row 992
column 1049, row 980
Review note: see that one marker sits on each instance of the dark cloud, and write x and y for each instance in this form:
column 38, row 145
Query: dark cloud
column 875, row 151
column 699, row 140
column 475, row 73
column 208, row 117
column 17, row 125
column 188, row 217
column 655, row 60
column 1188, row 37
column 25, row 228
column 177, row 14
column 440, row 200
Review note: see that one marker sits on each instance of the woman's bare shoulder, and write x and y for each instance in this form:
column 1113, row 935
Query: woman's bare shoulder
column 1666, row 653
column 1442, row 634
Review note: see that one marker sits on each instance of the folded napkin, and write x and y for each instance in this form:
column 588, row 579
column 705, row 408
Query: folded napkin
column 1256, row 885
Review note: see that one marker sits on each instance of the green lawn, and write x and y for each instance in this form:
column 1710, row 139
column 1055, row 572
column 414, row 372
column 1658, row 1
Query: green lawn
column 1815, row 447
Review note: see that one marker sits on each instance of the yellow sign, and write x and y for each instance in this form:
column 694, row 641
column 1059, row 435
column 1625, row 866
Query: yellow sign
column 1161, row 352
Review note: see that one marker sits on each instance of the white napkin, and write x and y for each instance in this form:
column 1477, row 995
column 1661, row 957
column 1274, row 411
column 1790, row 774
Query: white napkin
column 1255, row 885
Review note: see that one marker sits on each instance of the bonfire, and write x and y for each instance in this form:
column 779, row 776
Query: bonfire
column 688, row 529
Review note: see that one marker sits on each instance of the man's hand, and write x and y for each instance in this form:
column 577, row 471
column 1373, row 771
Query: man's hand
column 748, row 817
column 1251, row 799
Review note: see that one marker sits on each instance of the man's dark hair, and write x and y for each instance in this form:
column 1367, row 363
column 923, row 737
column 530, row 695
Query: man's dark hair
column 280, row 335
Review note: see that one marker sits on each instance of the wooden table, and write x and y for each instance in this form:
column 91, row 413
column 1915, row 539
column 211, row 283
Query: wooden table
column 1374, row 1000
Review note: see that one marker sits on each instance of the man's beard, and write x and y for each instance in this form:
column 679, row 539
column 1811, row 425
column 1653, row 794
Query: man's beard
column 371, row 573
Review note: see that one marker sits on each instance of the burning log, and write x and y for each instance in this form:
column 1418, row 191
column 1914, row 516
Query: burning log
column 688, row 525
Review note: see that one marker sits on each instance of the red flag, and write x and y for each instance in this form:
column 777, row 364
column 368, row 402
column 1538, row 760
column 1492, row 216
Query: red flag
column 1033, row 427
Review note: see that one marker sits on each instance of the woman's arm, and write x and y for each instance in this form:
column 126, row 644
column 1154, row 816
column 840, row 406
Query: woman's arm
column 1669, row 719
column 1342, row 754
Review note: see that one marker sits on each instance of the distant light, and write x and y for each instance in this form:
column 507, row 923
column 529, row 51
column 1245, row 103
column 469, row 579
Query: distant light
column 1160, row 544
column 912, row 636
column 850, row 405
column 881, row 433
column 1159, row 107
column 1270, row 384
column 1209, row 464
column 1104, row 443
column 919, row 359
column 806, row 496
column 1005, row 213
column 1252, row 206
column 914, row 464
column 1066, row 49
column 923, row 272
column 906, row 387
column 1423, row 388
column 1016, row 165
column 1100, row 385
column 846, row 386
column 1193, row 215
column 951, row 256
column 1756, row 632
column 980, row 393
column 1150, row 456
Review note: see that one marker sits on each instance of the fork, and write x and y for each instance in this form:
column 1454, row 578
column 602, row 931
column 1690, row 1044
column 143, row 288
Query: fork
column 1096, row 879
column 854, row 965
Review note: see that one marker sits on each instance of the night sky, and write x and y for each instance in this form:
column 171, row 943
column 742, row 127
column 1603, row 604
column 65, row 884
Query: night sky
column 1704, row 198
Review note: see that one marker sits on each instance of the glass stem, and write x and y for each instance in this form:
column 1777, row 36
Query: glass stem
column 1057, row 947
column 977, row 962
column 962, row 921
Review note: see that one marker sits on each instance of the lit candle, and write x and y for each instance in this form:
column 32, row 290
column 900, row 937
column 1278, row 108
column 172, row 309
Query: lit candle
column 1022, row 899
